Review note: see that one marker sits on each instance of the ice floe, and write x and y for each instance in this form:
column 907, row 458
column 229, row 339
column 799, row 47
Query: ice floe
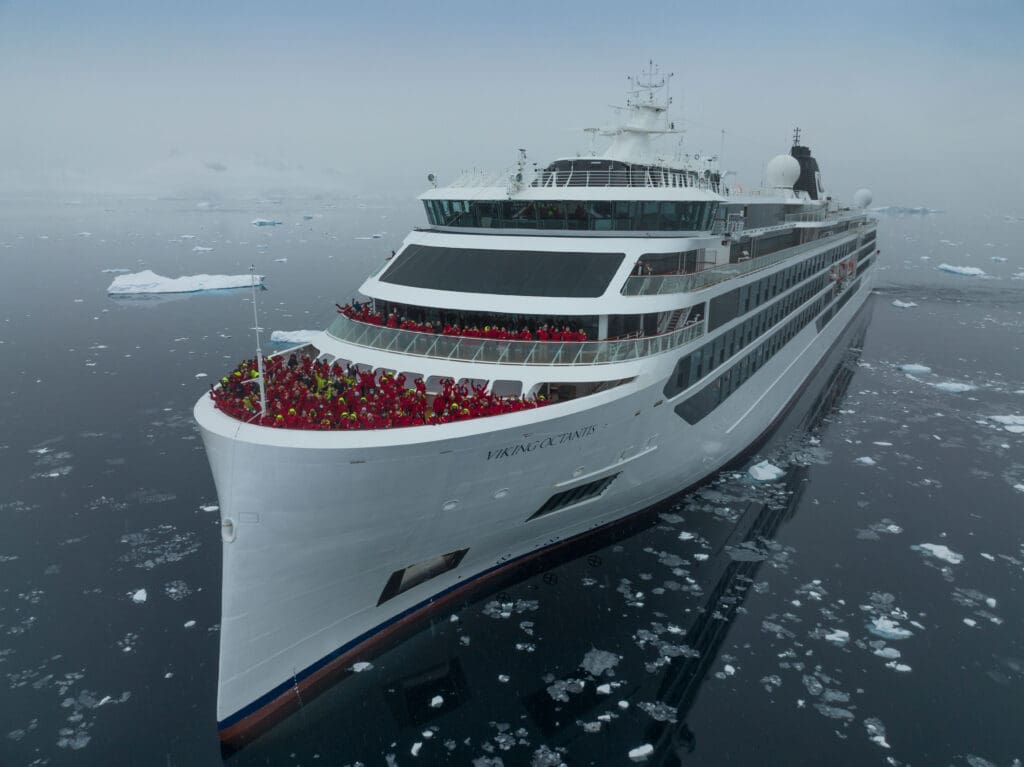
column 915, row 369
column 140, row 596
column 148, row 282
column 765, row 471
column 965, row 271
column 940, row 551
column 115, row 271
column 265, row 222
column 886, row 628
column 903, row 304
column 361, row 666
column 866, row 460
column 201, row 249
column 597, row 662
column 1012, row 423
column 838, row 636
column 876, row 731
column 437, row 701
column 294, row 336
column 954, row 387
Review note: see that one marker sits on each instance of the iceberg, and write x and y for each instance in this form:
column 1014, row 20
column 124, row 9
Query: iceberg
column 903, row 304
column 294, row 336
column 886, row 628
column 966, row 271
column 148, row 282
column 765, row 471
column 266, row 222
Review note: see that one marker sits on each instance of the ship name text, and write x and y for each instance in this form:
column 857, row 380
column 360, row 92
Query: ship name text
column 540, row 444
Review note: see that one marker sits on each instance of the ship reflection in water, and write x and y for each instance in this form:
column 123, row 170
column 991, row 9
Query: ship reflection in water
column 586, row 654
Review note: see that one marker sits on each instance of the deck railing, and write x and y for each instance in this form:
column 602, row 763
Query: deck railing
column 636, row 177
column 508, row 352
column 647, row 285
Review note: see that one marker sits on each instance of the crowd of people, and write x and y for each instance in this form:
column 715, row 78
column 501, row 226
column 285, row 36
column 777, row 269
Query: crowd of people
column 303, row 393
column 546, row 332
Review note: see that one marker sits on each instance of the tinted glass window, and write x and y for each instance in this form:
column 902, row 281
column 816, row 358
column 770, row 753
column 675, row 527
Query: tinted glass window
column 504, row 272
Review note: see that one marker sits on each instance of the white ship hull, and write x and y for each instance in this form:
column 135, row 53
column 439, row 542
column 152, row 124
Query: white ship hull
column 316, row 523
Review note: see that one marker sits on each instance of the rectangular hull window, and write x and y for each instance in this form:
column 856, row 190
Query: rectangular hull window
column 574, row 496
column 414, row 575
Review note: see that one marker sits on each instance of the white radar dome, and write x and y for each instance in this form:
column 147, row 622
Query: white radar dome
column 862, row 198
column 783, row 171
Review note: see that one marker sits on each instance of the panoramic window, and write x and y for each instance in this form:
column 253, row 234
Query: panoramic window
column 504, row 272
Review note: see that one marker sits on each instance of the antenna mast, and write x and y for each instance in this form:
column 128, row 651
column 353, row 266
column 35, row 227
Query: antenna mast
column 259, row 351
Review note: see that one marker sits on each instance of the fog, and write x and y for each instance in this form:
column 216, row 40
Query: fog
column 920, row 101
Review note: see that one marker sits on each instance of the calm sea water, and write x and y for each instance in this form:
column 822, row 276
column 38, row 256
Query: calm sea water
column 864, row 609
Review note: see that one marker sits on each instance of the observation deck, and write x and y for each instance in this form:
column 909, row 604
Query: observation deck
column 508, row 352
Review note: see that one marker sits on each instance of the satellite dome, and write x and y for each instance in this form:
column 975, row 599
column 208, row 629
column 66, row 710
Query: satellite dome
column 783, row 171
column 862, row 198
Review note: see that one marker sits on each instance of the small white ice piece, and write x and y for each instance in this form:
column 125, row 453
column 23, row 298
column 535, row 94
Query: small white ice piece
column 729, row 669
column 201, row 249
column 765, row 471
column 866, row 460
column 686, row 536
column 140, row 596
column 838, row 636
column 415, row 750
column 604, row 689
column 436, row 702
column 903, row 304
column 361, row 666
column 189, row 624
column 970, row 622
column 210, row 507
column 640, row 753
column 886, row 628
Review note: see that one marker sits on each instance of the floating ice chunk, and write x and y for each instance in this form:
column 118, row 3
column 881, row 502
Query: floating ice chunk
column 729, row 669
column 887, row 628
column 1012, row 423
column 503, row 678
column 999, row 258
column 686, row 536
column 597, row 662
column 965, row 271
column 903, row 304
column 200, row 375
column 437, row 701
column 640, row 753
column 838, row 636
column 970, row 622
column 201, row 249
column 265, row 222
column 189, row 624
column 866, row 460
column 889, row 653
column 939, row 551
column 765, row 471
column 876, row 731
column 882, row 444
column 1019, row 486
column 147, row 282
column 140, row 596
column 415, row 750
column 604, row 689
column 295, row 336
column 280, row 260
column 115, row 271
column 915, row 369
column 210, row 507
column 954, row 387
column 901, row 667
column 361, row 666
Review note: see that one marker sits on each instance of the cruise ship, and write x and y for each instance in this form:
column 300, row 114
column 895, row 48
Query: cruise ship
column 560, row 347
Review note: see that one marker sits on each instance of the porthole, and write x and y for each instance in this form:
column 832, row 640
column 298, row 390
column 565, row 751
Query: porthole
column 227, row 529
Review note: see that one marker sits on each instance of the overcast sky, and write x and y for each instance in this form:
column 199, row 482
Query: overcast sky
column 920, row 101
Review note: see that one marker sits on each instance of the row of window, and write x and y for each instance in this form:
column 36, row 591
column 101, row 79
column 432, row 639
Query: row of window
column 702, row 361
column 738, row 301
column 592, row 215
column 707, row 399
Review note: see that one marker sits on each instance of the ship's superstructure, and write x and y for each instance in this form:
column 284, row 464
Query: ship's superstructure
column 663, row 320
